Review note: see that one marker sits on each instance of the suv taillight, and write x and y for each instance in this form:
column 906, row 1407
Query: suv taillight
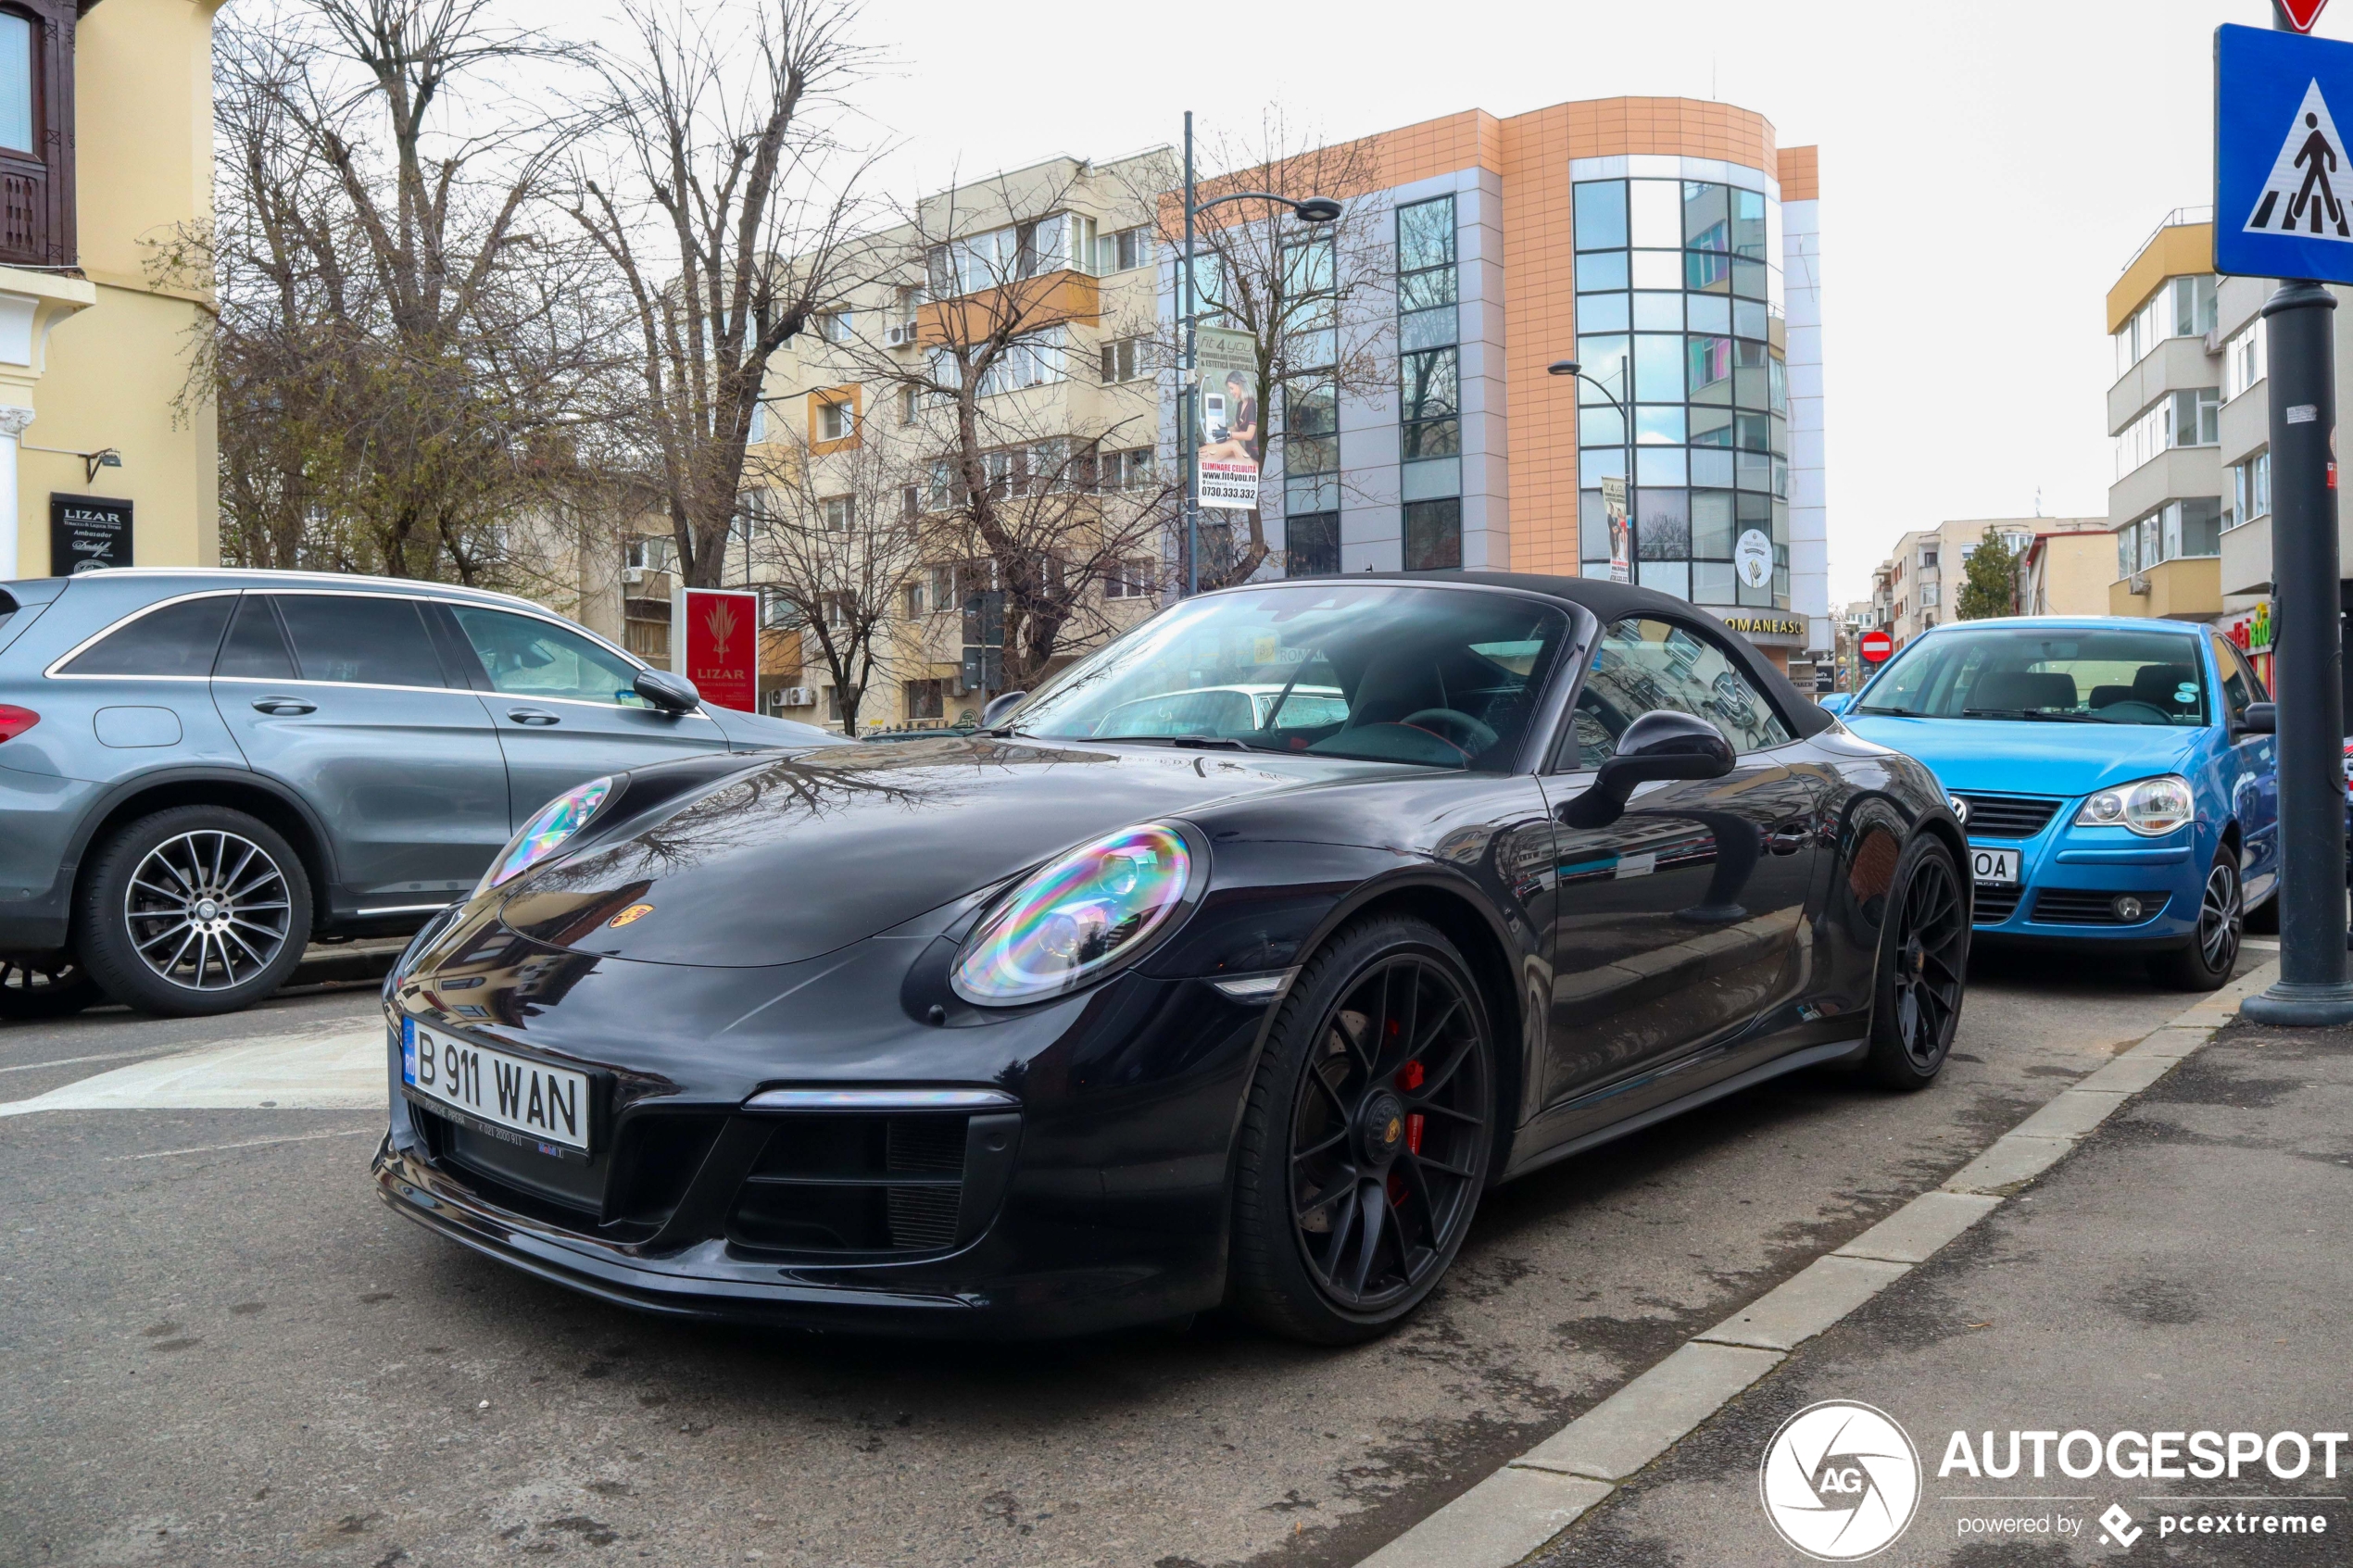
column 15, row 721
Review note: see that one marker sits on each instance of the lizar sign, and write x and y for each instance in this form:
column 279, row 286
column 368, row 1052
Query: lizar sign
column 86, row 533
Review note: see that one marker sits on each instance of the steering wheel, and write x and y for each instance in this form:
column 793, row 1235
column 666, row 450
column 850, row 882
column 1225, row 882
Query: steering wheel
column 1455, row 728
column 2114, row 713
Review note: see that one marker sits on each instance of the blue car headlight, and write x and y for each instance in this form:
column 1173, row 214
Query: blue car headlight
column 546, row 833
column 2151, row 808
column 1077, row 918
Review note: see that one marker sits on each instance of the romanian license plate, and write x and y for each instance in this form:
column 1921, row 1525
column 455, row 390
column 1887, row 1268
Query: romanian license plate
column 1995, row 868
column 545, row 1104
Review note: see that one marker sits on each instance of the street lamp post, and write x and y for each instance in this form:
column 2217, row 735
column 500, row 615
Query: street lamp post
column 1307, row 209
column 1626, row 423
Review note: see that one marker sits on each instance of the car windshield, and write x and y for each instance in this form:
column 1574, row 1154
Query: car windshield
column 2055, row 674
column 1391, row 672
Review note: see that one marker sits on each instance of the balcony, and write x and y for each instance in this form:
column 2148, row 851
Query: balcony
column 2189, row 588
column 1027, row 305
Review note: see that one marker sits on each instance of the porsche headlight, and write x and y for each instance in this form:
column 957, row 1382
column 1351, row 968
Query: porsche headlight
column 545, row 832
column 1074, row 918
column 2149, row 806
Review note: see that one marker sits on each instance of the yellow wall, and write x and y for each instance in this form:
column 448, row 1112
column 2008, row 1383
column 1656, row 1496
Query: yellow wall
column 143, row 133
column 2190, row 587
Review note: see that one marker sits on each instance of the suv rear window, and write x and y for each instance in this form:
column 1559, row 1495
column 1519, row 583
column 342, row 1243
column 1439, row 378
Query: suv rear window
column 178, row 639
column 364, row 639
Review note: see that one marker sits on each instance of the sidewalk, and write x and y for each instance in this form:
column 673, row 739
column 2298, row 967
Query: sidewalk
column 2187, row 1269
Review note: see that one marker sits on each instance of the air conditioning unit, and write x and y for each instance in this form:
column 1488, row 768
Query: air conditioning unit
column 631, row 576
column 2136, row 584
column 900, row 336
column 799, row 696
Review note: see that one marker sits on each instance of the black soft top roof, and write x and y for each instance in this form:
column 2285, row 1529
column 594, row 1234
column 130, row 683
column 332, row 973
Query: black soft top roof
column 1611, row 601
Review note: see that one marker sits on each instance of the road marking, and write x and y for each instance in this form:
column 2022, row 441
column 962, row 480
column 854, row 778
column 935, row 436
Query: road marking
column 1531, row 1501
column 344, row 1071
column 249, row 1143
column 78, row 1060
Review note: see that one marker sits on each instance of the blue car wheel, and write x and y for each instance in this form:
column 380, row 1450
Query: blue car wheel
column 2205, row 962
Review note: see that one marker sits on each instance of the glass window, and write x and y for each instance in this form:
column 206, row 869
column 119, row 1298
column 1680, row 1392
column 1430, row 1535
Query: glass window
column 1748, row 226
column 1432, row 384
column 362, row 639
column 1658, row 368
column 1434, row 534
column 1707, row 270
column 1710, row 369
column 1712, row 465
column 530, row 657
column 176, row 640
column 2087, row 675
column 1416, row 329
column 1602, row 462
column 1657, row 269
column 1426, row 255
column 1431, row 676
column 1749, row 317
column 1660, row 465
column 1712, row 524
column 1664, row 524
column 1598, row 424
column 1600, row 215
column 1604, row 359
column 1710, row 313
column 1310, row 544
column 1667, row 577
column 16, row 83
column 2238, row 684
column 1658, row 424
column 1654, row 213
column 255, row 649
column 1644, row 664
column 1602, row 313
column 1601, row 269
column 1658, row 312
column 1592, row 524
column 1711, row 427
column 1707, row 216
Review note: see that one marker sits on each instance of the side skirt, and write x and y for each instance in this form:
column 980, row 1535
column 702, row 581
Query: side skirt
column 1810, row 1056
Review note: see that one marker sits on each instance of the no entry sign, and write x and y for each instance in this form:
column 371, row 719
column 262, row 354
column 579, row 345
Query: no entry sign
column 1875, row 646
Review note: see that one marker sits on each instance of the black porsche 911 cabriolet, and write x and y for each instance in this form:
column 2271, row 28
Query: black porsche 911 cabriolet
column 1123, row 1009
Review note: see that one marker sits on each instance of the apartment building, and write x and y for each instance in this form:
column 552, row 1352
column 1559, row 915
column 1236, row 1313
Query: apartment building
column 106, row 153
column 1919, row 585
column 2064, row 569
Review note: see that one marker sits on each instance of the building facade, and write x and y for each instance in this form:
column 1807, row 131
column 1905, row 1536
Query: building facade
column 106, row 161
column 1919, row 585
column 1672, row 250
column 2064, row 569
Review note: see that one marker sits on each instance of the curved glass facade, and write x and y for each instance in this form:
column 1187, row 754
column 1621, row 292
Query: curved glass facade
column 1679, row 302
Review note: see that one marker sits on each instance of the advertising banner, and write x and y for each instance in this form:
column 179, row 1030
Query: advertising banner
column 720, row 631
column 1621, row 534
column 1228, row 439
column 87, row 532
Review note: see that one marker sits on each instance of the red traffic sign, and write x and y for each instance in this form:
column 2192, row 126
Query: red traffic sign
column 2302, row 14
column 1875, row 646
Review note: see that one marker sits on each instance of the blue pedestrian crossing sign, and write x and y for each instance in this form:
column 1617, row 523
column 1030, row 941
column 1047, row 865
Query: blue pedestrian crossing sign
column 2283, row 178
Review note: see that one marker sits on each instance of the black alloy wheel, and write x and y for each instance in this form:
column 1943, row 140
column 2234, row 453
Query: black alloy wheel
column 195, row 911
column 51, row 987
column 2205, row 962
column 1367, row 1137
column 1923, row 968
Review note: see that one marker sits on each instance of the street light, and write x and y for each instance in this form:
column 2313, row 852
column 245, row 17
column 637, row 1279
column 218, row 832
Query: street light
column 1626, row 422
column 1307, row 209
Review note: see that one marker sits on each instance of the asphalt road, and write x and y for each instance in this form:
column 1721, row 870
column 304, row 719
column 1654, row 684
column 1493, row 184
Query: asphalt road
column 216, row 1346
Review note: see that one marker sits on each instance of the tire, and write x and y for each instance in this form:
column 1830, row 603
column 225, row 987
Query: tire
column 143, row 926
column 1357, row 1177
column 1922, row 972
column 52, row 987
column 2205, row 962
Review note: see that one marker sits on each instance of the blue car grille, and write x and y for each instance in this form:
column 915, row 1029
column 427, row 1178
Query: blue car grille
column 1994, row 905
column 2075, row 906
column 2009, row 816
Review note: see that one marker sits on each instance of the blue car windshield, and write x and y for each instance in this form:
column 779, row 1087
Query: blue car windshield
column 2056, row 674
column 1440, row 677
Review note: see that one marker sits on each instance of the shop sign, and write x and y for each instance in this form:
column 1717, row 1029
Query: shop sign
column 87, row 532
column 2254, row 631
column 1765, row 625
column 718, row 633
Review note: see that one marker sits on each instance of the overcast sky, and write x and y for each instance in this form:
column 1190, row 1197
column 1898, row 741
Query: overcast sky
column 1988, row 166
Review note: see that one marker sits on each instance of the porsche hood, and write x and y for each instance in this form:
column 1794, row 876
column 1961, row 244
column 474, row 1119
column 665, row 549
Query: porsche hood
column 802, row 855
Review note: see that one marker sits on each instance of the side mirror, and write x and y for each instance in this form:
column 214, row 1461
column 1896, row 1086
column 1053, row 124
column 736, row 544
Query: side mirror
column 1833, row 702
column 1000, row 708
column 671, row 694
column 1662, row 743
column 2260, row 719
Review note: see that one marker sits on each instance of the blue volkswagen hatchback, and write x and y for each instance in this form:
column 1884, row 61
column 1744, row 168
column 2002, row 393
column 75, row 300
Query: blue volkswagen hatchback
column 2117, row 777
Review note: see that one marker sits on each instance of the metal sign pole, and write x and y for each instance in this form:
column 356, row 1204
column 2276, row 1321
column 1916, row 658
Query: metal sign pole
column 2298, row 318
column 1187, row 392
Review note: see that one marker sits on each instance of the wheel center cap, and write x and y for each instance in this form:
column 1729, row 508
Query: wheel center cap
column 1380, row 1128
column 208, row 909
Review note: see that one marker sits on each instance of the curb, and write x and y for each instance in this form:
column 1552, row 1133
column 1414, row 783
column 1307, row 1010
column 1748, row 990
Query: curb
column 1521, row 1508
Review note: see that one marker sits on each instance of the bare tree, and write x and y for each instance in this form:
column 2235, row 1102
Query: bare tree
column 1300, row 291
column 1045, row 506
column 835, row 537
column 401, row 353
column 725, row 214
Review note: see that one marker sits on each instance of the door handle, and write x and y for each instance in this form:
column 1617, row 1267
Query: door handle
column 283, row 707
column 532, row 716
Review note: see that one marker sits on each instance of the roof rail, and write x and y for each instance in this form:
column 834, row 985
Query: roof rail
column 2179, row 217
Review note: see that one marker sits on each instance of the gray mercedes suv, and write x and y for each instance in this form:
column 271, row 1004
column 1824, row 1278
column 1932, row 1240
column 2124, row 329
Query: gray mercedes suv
column 201, row 770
